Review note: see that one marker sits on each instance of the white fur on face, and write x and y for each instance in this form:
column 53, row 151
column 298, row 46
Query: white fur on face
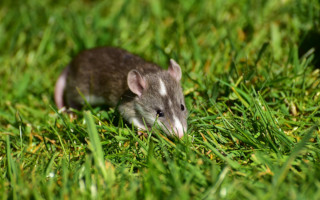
column 136, row 122
column 170, row 103
column 178, row 128
column 163, row 90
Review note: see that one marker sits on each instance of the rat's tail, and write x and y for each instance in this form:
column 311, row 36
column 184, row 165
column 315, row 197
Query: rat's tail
column 59, row 88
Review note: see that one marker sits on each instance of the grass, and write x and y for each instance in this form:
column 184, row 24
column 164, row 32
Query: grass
column 251, row 82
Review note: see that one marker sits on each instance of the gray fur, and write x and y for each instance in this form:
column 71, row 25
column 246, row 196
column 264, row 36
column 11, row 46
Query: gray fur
column 103, row 72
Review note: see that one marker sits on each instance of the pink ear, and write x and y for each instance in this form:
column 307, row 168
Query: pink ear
column 136, row 82
column 174, row 70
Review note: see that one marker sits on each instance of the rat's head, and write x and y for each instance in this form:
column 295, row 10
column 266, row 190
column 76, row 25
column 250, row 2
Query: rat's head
column 160, row 98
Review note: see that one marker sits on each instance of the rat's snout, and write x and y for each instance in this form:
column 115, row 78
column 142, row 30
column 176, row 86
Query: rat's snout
column 174, row 126
column 178, row 128
column 179, row 133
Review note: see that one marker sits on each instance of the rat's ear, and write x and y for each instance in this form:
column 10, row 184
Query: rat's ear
column 136, row 82
column 174, row 70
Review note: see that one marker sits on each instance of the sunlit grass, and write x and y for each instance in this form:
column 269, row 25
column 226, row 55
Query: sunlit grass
column 252, row 91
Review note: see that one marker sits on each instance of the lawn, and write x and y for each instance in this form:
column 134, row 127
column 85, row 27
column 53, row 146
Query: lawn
column 251, row 79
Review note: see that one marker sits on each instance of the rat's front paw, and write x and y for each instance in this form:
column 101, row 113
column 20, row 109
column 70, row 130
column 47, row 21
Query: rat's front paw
column 141, row 132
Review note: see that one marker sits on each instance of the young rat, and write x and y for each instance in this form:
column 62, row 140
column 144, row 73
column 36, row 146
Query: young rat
column 142, row 91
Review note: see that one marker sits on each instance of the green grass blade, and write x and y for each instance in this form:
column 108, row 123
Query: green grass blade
column 281, row 175
column 95, row 144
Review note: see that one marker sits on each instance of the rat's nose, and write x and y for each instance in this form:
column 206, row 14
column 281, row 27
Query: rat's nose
column 178, row 127
column 179, row 133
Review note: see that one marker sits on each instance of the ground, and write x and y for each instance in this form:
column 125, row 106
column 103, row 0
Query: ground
column 251, row 80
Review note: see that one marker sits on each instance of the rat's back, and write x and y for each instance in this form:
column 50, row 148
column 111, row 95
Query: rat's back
column 100, row 75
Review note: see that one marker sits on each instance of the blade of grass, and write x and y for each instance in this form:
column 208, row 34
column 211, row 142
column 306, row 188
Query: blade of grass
column 11, row 168
column 280, row 176
column 95, row 144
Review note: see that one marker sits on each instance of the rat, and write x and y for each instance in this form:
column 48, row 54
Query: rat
column 143, row 92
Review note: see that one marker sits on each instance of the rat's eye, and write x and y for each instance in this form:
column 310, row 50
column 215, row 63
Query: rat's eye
column 160, row 113
column 182, row 107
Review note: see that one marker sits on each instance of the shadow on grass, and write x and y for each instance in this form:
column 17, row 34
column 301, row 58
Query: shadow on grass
column 311, row 43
